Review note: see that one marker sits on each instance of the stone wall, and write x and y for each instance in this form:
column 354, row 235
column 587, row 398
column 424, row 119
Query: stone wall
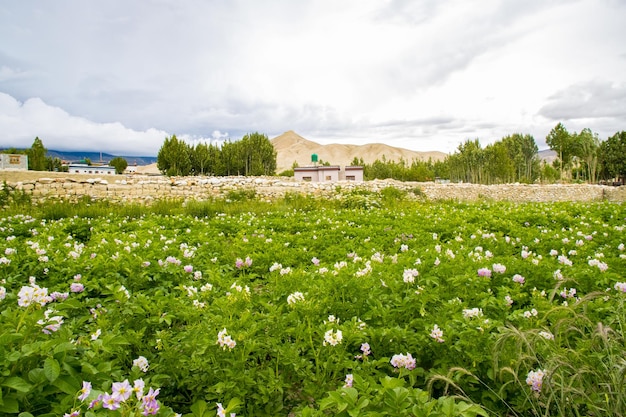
column 135, row 188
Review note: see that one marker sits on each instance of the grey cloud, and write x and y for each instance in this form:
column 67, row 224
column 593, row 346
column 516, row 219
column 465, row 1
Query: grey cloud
column 588, row 100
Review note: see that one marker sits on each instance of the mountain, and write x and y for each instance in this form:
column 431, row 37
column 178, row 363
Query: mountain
column 96, row 157
column 547, row 155
column 291, row 147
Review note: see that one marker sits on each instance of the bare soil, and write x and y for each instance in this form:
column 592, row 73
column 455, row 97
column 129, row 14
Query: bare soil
column 22, row 176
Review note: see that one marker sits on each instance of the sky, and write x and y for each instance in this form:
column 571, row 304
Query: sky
column 120, row 76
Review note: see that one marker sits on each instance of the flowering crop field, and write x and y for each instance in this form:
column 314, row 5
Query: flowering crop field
column 421, row 309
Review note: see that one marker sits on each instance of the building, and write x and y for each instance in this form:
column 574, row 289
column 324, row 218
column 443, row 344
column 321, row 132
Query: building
column 91, row 169
column 11, row 161
column 328, row 173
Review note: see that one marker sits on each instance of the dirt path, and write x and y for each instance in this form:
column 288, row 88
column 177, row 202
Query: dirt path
column 20, row 176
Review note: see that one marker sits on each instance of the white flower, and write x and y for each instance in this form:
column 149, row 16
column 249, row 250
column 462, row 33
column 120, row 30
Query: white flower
column 546, row 335
column 409, row 275
column 225, row 341
column 141, row 363
column 437, row 334
column 33, row 294
column 333, row 338
column 472, row 312
column 295, row 297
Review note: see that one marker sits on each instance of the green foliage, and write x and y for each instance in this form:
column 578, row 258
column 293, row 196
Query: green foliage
column 253, row 154
column 79, row 231
column 391, row 397
column 241, row 195
column 162, row 281
column 119, row 163
column 613, row 157
column 383, row 169
column 173, row 159
column 11, row 197
column 37, row 156
column 513, row 159
column 560, row 141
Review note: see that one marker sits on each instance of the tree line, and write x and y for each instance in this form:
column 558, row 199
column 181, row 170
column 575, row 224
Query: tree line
column 581, row 156
column 253, row 154
column 38, row 160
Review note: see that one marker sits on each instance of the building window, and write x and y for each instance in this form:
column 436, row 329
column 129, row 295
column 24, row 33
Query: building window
column 307, row 179
column 14, row 160
column 328, row 178
column 350, row 178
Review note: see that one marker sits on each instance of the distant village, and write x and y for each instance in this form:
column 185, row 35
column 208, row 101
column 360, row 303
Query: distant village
column 20, row 162
column 312, row 173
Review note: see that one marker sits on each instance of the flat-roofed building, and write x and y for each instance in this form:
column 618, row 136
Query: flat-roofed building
column 13, row 161
column 91, row 169
column 328, row 173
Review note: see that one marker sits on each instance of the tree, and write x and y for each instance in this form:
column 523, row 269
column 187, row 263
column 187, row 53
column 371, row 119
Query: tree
column 560, row 141
column 174, row 157
column 37, row 156
column 200, row 159
column 258, row 154
column 586, row 148
column 55, row 164
column 119, row 163
column 613, row 156
column 499, row 166
column 523, row 152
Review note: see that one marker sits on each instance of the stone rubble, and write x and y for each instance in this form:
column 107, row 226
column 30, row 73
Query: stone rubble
column 138, row 188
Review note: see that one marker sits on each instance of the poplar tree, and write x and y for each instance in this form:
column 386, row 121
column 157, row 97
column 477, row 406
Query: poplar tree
column 37, row 156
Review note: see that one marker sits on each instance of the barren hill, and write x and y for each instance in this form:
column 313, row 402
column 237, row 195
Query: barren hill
column 291, row 147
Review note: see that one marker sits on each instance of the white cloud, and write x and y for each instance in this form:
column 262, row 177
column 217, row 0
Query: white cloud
column 58, row 130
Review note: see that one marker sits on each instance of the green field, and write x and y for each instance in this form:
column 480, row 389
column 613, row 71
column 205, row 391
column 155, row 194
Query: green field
column 367, row 305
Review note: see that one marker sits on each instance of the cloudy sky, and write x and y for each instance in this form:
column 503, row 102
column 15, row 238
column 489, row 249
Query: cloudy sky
column 119, row 76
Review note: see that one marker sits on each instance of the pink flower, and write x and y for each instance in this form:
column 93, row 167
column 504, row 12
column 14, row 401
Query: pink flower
column 85, row 391
column 535, row 379
column 349, row 381
column 315, row 261
column 239, row 263
column 122, row 390
column 77, row 287
column 188, row 269
column 403, row 361
column 437, row 334
column 484, row 272
column 110, row 401
column 518, row 278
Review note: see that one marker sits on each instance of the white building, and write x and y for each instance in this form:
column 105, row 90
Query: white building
column 91, row 169
column 328, row 173
column 11, row 161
